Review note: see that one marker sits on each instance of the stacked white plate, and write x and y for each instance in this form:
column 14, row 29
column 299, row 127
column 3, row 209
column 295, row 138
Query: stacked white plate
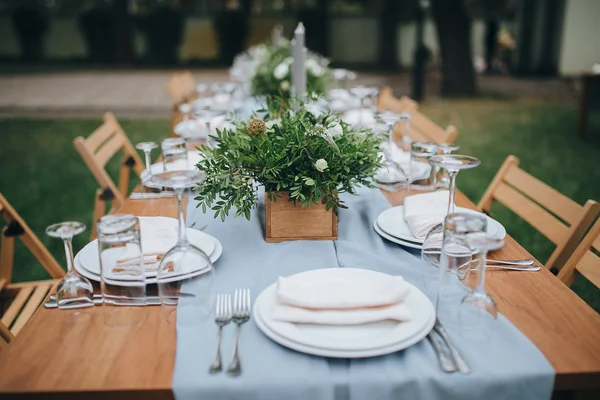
column 392, row 226
column 345, row 341
column 87, row 260
column 193, row 158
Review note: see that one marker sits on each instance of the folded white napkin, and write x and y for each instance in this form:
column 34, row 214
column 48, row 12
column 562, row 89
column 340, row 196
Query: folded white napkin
column 424, row 211
column 339, row 301
column 360, row 118
column 158, row 235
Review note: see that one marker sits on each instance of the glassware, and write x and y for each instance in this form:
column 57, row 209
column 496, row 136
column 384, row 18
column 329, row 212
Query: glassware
column 453, row 163
column 185, row 274
column 443, row 180
column 422, row 175
column 456, row 262
column 175, row 155
column 478, row 310
column 73, row 291
column 147, row 148
column 186, row 110
column 207, row 116
column 391, row 175
column 405, row 140
column 122, row 269
column 363, row 93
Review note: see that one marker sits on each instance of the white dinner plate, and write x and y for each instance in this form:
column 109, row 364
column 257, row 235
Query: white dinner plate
column 392, row 222
column 216, row 254
column 393, row 239
column 363, row 340
column 193, row 158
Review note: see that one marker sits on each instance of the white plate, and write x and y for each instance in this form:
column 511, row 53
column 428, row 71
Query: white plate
column 395, row 239
column 392, row 222
column 149, row 280
column 366, row 339
column 193, row 158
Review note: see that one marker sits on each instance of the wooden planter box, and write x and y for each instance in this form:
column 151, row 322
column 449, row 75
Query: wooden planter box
column 285, row 221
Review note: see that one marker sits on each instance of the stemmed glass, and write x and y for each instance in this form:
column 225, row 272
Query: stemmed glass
column 207, row 115
column 391, row 172
column 453, row 164
column 147, row 148
column 73, row 291
column 185, row 274
column 445, row 148
column 362, row 93
column 477, row 308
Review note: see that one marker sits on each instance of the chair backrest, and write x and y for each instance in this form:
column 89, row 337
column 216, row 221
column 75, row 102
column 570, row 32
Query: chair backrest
column 585, row 259
column 16, row 227
column 557, row 217
column 181, row 86
column 100, row 147
column 422, row 129
column 5, row 336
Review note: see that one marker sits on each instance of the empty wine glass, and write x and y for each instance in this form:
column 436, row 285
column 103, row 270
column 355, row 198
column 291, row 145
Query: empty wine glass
column 391, row 175
column 422, row 175
column 453, row 163
column 147, row 148
column 443, row 180
column 477, row 308
column 363, row 93
column 455, row 262
column 207, row 116
column 73, row 291
column 185, row 110
column 185, row 274
column 175, row 155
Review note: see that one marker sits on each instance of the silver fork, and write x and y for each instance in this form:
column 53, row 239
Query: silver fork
column 241, row 314
column 223, row 315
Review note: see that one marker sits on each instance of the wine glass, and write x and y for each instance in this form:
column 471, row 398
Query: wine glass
column 175, row 155
column 422, row 175
column 391, row 175
column 147, row 148
column 362, row 93
column 456, row 262
column 477, row 308
column 185, row 274
column 207, row 115
column 445, row 148
column 73, row 291
column 453, row 164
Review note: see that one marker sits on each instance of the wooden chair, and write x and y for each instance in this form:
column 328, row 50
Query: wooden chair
column 554, row 215
column 584, row 260
column 96, row 151
column 22, row 299
column 181, row 87
column 422, row 129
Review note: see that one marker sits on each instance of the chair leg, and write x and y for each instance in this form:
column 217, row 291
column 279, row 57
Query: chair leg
column 99, row 212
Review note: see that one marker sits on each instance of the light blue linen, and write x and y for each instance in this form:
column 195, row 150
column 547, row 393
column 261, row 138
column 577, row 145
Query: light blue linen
column 510, row 367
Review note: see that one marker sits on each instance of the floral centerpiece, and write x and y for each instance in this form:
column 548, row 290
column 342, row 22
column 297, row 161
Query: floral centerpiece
column 268, row 69
column 304, row 156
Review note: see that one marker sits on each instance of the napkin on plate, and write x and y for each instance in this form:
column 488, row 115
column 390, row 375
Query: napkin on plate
column 424, row 211
column 338, row 301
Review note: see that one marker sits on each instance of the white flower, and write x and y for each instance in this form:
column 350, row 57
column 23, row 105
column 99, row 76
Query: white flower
column 313, row 109
column 321, row 165
column 274, row 122
column 335, row 130
column 314, row 67
column 281, row 71
column 284, row 85
column 289, row 60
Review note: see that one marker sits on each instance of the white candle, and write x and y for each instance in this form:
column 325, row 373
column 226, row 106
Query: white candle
column 299, row 66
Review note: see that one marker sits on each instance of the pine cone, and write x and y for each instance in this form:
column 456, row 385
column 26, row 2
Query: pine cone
column 256, row 127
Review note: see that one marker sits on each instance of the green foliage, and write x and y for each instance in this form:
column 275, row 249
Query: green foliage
column 313, row 157
column 269, row 81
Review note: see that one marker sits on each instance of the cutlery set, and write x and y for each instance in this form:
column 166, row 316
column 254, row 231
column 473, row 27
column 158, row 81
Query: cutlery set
column 239, row 313
column 448, row 355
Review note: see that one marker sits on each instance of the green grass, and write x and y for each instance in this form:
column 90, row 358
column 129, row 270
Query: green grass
column 46, row 180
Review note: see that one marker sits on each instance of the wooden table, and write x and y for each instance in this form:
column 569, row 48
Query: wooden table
column 56, row 356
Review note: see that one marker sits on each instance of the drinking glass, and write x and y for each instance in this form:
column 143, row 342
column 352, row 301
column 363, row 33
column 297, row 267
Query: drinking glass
column 122, row 269
column 478, row 309
column 207, row 116
column 422, row 175
column 185, row 274
column 405, row 139
column 73, row 291
column 456, row 262
column 175, row 155
column 453, row 163
column 442, row 174
column 147, row 148
column 391, row 175
column 363, row 93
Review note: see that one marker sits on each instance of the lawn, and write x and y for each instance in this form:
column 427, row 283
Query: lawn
column 46, row 180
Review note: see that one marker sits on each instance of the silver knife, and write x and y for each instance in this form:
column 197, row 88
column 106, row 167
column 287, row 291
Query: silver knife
column 460, row 362
column 444, row 358
column 141, row 196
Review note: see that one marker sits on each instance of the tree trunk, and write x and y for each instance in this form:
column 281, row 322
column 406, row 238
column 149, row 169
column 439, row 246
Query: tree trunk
column 454, row 36
column 388, row 43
